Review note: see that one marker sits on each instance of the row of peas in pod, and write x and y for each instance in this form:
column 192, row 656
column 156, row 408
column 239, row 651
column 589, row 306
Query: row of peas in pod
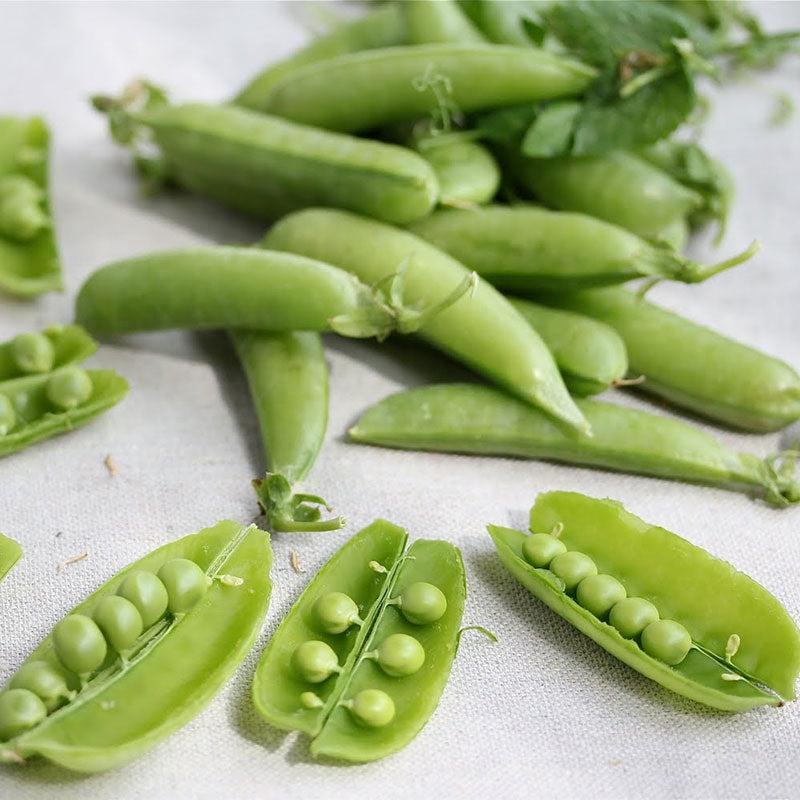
column 142, row 655
column 44, row 391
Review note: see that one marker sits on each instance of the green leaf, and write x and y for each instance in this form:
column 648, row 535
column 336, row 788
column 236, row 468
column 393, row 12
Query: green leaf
column 506, row 125
column 551, row 132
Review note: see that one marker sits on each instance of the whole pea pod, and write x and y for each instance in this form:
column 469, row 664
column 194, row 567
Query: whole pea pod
column 382, row 28
column 693, row 366
column 10, row 553
column 266, row 166
column 37, row 407
column 525, row 249
column 365, row 90
column 288, row 380
column 665, row 607
column 439, row 21
column 617, row 187
column 43, row 351
column 142, row 655
column 482, row 330
column 29, row 263
column 470, row 418
column 240, row 287
column 360, row 661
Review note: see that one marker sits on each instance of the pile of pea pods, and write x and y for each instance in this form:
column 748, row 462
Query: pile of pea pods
column 391, row 214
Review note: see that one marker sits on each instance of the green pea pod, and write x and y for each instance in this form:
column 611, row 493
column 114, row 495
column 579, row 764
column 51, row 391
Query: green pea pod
column 240, row 287
column 63, row 345
column 744, row 649
column 745, row 388
column 524, row 249
column 482, row 330
column 266, row 166
column 35, row 415
column 369, row 572
column 29, row 262
column 590, row 355
column 288, row 380
column 675, row 235
column 177, row 665
column 10, row 553
column 439, row 21
column 471, row 418
column 365, row 90
column 616, row 187
column 512, row 22
column 385, row 27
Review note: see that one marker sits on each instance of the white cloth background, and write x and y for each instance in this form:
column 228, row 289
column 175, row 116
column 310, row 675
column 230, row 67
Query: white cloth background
column 543, row 712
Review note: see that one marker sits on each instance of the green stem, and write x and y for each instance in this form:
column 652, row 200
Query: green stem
column 700, row 274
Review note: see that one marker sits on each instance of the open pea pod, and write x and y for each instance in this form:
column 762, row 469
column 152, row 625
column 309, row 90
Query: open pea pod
column 29, row 262
column 665, row 607
column 10, row 553
column 39, row 352
column 40, row 406
column 362, row 658
column 216, row 590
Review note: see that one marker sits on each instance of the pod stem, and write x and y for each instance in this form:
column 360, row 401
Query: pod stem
column 700, row 273
column 783, row 489
column 289, row 512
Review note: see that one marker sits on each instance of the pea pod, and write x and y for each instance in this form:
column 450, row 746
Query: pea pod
column 126, row 706
column 693, row 366
column 44, row 351
column 384, row 27
column 482, row 330
column 590, row 355
column 366, row 90
column 266, row 166
column 364, row 688
column 617, row 187
column 439, row 21
column 524, row 249
column 721, row 640
column 238, row 287
column 506, row 21
column 10, row 553
column 37, row 407
column 288, row 380
column 470, row 418
column 29, row 263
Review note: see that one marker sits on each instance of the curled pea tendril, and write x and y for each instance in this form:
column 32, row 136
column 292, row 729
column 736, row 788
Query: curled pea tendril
column 290, row 512
column 445, row 111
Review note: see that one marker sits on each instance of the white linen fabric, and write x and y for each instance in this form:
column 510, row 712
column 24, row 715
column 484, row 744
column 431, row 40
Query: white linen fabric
column 544, row 712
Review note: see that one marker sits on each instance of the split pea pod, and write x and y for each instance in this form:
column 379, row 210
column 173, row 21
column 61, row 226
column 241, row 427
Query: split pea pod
column 482, row 330
column 267, row 166
column 10, row 553
column 360, row 661
column 693, row 366
column 235, row 288
column 616, row 187
column 29, row 263
column 471, row 418
column 288, row 380
column 665, row 607
column 366, row 90
column 43, row 351
column 197, row 604
column 524, row 249
column 385, row 27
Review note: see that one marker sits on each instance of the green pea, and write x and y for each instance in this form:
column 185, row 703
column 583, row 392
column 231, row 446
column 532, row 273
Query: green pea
column 666, row 640
column 399, row 655
column 20, row 710
column 632, row 615
column 540, row 549
column 572, row 567
column 69, row 387
column 185, row 582
column 147, row 593
column 422, row 603
column 315, row 661
column 310, row 700
column 335, row 612
column 372, row 707
column 599, row 593
column 120, row 621
column 33, row 352
column 46, row 681
column 21, row 214
column 79, row 644
column 7, row 414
